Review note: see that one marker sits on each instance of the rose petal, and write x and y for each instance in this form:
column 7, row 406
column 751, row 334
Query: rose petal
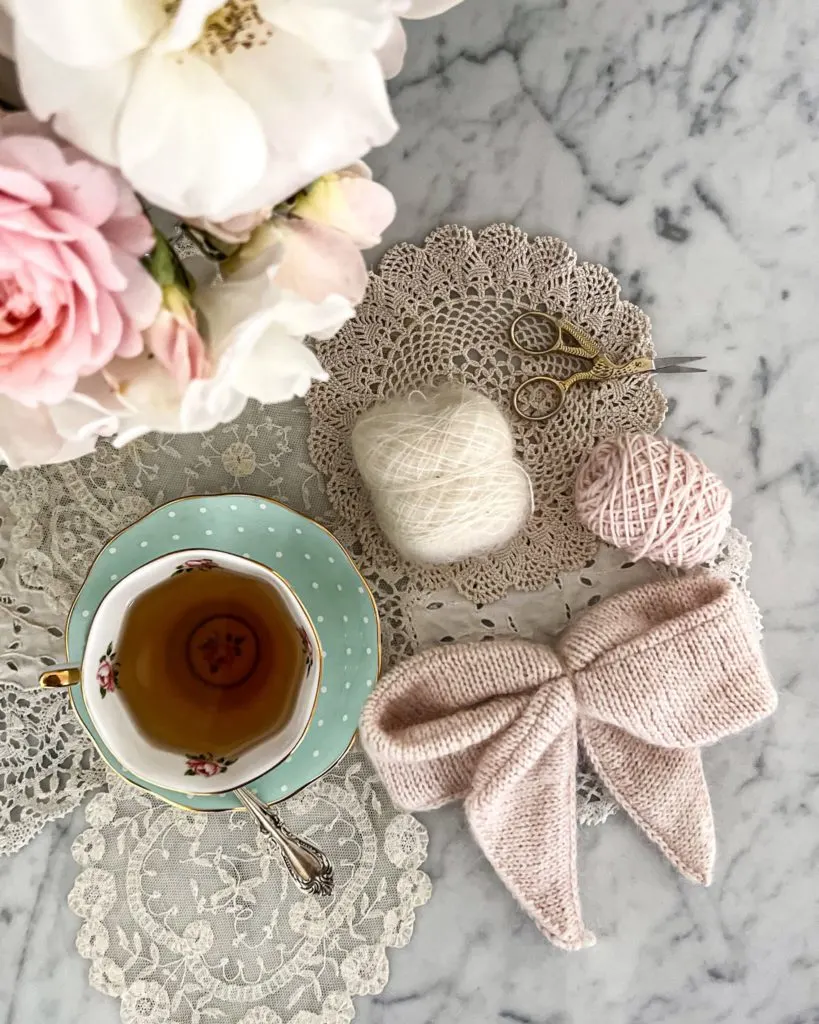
column 164, row 150
column 277, row 368
column 51, row 90
column 370, row 210
column 319, row 261
column 41, row 158
column 351, row 202
column 392, row 53
column 91, row 248
column 133, row 235
column 32, row 250
column 342, row 112
column 87, row 191
column 341, row 30
column 19, row 183
column 28, row 437
column 92, row 411
column 178, row 346
column 235, row 230
column 428, row 8
column 142, row 296
column 319, row 320
column 87, row 33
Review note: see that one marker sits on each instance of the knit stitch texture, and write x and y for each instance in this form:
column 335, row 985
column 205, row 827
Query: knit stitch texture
column 642, row 681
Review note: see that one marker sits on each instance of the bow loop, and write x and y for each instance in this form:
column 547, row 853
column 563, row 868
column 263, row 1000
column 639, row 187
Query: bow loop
column 675, row 666
column 428, row 727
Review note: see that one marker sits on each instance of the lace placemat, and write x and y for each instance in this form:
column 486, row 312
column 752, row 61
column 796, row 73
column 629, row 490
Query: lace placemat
column 193, row 917
column 187, row 917
column 443, row 312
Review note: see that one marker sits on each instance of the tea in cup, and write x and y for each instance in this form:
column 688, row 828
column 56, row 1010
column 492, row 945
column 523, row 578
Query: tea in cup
column 200, row 672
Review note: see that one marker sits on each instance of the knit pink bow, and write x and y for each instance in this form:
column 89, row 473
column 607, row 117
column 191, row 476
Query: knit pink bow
column 642, row 681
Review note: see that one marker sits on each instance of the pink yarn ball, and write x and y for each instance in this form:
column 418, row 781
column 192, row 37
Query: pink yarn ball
column 653, row 499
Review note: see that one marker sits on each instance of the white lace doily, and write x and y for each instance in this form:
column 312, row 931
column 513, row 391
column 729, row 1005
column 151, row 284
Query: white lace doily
column 193, row 917
column 443, row 312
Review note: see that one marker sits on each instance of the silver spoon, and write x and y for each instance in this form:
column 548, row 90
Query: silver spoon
column 308, row 866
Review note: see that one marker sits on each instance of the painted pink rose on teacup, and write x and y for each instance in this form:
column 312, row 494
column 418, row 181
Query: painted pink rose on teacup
column 108, row 672
column 206, row 764
column 73, row 293
column 193, row 564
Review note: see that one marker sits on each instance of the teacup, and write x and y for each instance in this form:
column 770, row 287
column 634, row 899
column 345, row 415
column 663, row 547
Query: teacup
column 223, row 669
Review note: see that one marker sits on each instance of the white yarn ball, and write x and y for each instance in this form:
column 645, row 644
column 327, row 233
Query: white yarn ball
column 442, row 475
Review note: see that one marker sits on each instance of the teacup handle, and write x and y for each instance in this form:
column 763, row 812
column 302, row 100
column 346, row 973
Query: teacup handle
column 60, row 675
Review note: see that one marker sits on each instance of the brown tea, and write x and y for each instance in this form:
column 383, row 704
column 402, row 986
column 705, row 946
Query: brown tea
column 209, row 661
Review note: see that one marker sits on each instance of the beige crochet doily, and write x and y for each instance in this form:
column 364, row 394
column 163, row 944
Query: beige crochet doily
column 442, row 312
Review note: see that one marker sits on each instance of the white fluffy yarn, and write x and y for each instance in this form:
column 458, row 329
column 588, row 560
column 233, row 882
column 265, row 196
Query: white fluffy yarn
column 442, row 475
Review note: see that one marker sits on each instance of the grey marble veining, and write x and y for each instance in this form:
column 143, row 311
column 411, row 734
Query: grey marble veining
column 678, row 142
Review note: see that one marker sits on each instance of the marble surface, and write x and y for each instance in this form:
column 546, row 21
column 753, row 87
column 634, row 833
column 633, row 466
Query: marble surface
column 678, row 142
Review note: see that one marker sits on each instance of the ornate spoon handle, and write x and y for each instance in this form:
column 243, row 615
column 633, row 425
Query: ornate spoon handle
column 309, row 867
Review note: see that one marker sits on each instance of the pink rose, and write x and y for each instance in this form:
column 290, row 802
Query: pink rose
column 106, row 677
column 73, row 293
column 174, row 339
column 206, row 768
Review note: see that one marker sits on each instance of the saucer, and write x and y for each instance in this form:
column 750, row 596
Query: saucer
column 320, row 572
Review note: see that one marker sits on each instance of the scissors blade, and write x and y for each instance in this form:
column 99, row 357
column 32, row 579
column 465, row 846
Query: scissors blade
column 676, row 361
column 676, row 368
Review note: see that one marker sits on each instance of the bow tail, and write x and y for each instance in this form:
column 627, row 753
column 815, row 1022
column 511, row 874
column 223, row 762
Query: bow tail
column 662, row 789
column 526, row 821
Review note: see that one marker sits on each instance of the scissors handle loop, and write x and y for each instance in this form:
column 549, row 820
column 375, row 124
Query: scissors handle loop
column 586, row 347
column 556, row 387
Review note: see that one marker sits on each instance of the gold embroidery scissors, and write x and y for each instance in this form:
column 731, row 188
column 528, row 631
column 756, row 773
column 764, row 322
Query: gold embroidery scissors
column 581, row 345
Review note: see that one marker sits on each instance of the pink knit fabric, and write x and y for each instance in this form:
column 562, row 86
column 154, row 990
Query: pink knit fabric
column 643, row 680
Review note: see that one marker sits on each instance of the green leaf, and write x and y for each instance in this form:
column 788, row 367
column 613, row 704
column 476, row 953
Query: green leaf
column 165, row 266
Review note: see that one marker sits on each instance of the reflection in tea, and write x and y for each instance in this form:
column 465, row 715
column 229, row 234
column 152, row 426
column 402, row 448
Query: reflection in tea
column 209, row 660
